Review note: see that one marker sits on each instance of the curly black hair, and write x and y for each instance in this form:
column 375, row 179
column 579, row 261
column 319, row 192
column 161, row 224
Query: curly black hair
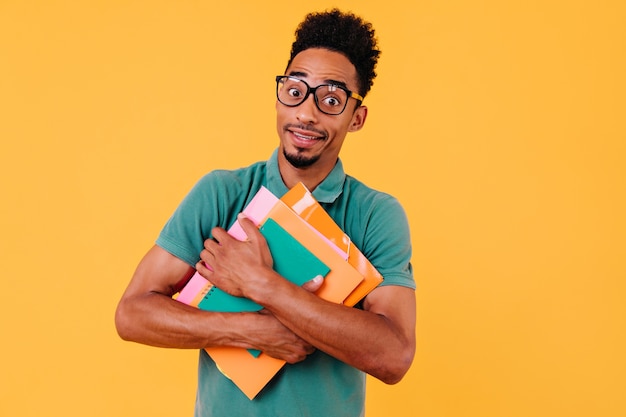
column 342, row 32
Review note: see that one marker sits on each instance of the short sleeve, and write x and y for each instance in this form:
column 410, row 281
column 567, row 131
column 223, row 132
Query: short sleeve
column 387, row 241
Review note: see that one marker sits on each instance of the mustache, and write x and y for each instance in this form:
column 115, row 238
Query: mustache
column 303, row 127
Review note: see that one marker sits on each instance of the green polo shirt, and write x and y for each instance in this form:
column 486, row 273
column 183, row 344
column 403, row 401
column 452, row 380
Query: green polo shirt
column 376, row 224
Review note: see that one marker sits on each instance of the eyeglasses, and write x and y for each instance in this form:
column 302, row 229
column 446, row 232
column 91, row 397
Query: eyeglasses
column 329, row 98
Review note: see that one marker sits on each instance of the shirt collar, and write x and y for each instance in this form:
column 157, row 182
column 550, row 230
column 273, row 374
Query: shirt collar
column 327, row 192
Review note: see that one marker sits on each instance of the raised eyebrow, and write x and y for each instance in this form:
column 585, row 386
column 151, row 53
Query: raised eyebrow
column 337, row 83
column 300, row 74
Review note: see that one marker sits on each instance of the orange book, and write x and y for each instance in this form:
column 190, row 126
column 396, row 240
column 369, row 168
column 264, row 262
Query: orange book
column 343, row 278
column 301, row 201
column 351, row 277
column 251, row 374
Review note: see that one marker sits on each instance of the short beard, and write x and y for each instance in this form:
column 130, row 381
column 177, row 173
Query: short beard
column 299, row 161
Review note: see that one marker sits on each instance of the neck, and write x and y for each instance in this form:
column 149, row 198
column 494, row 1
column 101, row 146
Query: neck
column 310, row 176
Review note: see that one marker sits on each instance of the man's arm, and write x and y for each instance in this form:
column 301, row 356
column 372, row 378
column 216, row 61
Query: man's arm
column 147, row 314
column 379, row 340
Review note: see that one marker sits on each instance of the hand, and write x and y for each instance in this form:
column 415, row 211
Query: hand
column 234, row 265
column 282, row 343
column 314, row 284
column 277, row 341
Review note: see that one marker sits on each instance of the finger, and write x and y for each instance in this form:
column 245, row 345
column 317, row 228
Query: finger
column 313, row 284
column 219, row 235
column 206, row 256
column 204, row 269
column 249, row 228
column 211, row 245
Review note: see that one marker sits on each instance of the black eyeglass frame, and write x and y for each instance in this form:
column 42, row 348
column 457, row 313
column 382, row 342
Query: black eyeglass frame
column 310, row 90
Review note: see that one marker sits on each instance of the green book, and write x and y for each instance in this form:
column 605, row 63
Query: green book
column 292, row 261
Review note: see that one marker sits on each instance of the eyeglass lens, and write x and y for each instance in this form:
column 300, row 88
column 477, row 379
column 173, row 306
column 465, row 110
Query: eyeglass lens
column 329, row 98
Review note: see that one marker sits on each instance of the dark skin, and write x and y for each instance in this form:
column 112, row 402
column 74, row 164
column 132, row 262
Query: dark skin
column 373, row 339
column 379, row 339
column 147, row 314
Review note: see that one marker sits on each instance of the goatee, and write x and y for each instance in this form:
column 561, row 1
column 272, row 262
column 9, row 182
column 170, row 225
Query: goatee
column 298, row 160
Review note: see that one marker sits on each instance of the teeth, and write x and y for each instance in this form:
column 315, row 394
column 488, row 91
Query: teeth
column 305, row 137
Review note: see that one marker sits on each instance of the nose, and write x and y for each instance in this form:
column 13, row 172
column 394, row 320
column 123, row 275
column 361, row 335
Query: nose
column 307, row 112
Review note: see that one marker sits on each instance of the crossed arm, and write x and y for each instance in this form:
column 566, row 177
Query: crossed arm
column 379, row 340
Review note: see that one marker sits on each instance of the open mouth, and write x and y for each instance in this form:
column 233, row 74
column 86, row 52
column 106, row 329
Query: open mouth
column 306, row 137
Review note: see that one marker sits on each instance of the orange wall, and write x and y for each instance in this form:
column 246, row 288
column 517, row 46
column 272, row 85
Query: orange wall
column 499, row 125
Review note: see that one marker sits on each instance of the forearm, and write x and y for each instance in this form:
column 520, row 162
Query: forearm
column 366, row 340
column 379, row 340
column 157, row 320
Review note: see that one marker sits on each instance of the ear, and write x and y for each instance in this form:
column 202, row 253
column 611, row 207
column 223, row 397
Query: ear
column 358, row 119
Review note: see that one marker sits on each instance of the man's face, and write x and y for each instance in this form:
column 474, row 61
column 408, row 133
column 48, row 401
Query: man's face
column 308, row 137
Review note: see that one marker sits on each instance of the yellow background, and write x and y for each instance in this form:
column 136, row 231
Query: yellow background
column 499, row 125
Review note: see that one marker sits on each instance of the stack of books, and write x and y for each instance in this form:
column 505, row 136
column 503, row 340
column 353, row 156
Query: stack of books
column 304, row 242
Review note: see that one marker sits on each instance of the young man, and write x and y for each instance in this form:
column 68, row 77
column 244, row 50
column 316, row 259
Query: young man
column 328, row 347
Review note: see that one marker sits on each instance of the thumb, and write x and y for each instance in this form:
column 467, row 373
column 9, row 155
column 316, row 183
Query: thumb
column 247, row 225
column 314, row 284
